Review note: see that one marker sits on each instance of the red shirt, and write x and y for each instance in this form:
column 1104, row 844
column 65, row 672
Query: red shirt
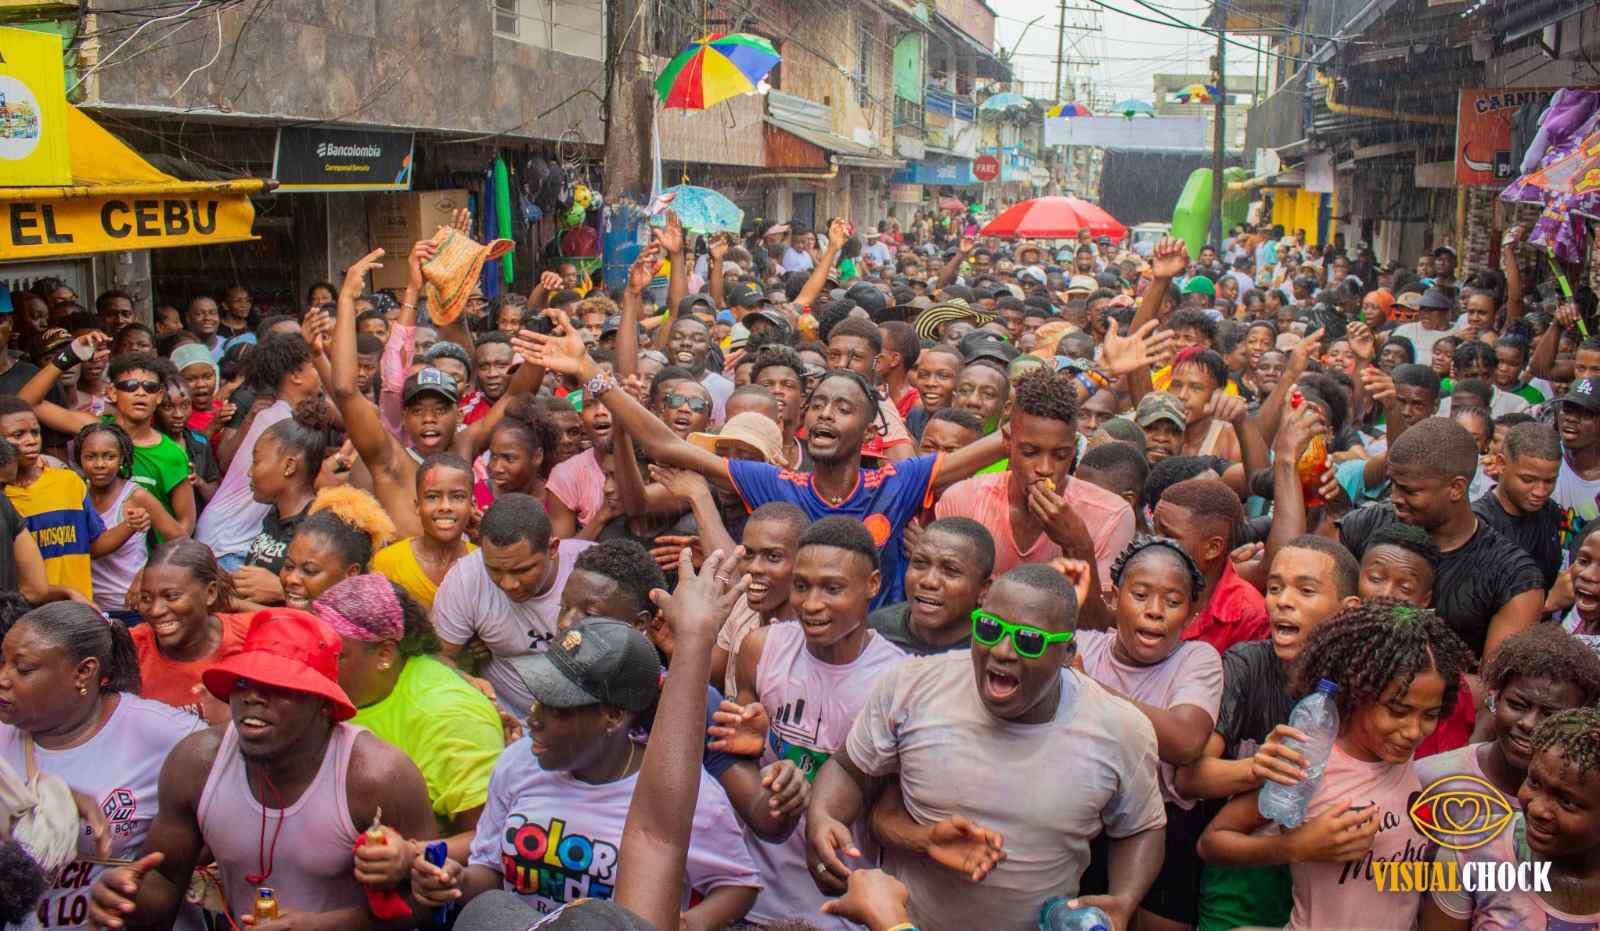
column 1236, row 613
column 1454, row 730
column 474, row 407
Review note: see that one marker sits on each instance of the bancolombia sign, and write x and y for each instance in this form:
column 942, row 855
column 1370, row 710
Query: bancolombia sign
column 39, row 228
column 312, row 158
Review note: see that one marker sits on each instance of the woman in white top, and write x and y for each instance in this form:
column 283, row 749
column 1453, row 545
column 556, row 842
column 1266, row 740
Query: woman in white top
column 69, row 706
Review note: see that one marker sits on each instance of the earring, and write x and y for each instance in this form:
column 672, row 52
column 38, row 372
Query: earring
column 383, row 667
column 83, row 690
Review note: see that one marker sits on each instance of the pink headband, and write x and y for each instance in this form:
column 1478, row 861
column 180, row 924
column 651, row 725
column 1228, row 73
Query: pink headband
column 363, row 607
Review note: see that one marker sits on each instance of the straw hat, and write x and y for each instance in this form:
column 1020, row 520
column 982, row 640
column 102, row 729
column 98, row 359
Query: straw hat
column 930, row 321
column 454, row 269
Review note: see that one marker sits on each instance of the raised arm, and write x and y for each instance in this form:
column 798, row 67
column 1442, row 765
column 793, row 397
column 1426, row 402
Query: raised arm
column 539, row 297
column 965, row 462
column 718, row 249
column 564, row 352
column 640, row 274
column 1543, row 362
column 362, row 423
column 655, row 837
column 1508, row 263
column 1288, row 504
column 471, row 442
column 54, row 415
column 1270, row 414
column 952, row 268
column 1168, row 260
column 675, row 244
column 838, row 232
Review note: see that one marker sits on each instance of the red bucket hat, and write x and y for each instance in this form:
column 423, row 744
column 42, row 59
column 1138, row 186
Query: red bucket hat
column 288, row 649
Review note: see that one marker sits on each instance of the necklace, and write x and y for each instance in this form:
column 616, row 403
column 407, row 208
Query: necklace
column 628, row 763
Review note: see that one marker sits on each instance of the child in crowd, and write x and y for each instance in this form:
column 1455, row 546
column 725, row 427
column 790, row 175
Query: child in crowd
column 1398, row 669
column 105, row 457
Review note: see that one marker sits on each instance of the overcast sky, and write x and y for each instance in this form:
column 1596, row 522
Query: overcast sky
column 1128, row 51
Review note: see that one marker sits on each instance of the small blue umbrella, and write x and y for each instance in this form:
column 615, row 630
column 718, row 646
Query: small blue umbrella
column 1006, row 101
column 701, row 210
column 1131, row 108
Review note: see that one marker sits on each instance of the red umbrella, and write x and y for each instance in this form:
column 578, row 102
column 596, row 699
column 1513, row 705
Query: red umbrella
column 1054, row 218
column 951, row 205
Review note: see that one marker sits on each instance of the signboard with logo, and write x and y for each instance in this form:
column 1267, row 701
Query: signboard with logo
column 986, row 168
column 956, row 172
column 317, row 158
column 33, row 104
column 1483, row 130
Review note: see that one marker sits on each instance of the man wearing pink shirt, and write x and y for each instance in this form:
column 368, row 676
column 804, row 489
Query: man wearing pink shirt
column 1035, row 509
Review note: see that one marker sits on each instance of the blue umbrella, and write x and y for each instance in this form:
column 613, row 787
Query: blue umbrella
column 1005, row 101
column 1131, row 108
column 702, row 210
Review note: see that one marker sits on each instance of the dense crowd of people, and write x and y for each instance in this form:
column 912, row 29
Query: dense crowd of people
column 991, row 572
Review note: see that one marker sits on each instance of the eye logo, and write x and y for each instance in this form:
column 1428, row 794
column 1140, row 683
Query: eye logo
column 1461, row 812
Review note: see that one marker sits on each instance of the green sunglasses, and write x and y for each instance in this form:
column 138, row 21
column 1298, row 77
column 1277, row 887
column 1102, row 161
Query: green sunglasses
column 1030, row 642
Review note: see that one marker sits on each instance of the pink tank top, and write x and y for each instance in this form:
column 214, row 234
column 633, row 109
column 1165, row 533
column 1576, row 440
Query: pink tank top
column 314, row 860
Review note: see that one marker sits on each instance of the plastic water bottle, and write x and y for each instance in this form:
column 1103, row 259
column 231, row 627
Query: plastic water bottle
column 1054, row 915
column 1318, row 718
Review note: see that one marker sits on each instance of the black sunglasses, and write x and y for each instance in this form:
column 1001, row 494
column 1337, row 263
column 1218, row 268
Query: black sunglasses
column 148, row 387
column 697, row 405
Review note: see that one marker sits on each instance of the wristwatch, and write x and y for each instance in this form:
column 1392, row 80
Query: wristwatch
column 602, row 382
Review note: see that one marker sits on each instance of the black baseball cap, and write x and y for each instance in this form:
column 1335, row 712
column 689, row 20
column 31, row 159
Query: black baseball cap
column 687, row 305
column 867, row 297
column 1584, row 393
column 430, row 381
column 599, row 661
column 746, row 294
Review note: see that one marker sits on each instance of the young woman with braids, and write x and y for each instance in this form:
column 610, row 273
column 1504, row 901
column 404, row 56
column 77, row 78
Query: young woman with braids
column 1559, row 823
column 283, row 475
column 70, row 707
column 522, row 451
column 187, row 603
column 1537, row 674
column 1398, row 668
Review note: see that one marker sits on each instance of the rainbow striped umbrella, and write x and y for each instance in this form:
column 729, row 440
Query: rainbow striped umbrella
column 1068, row 109
column 1198, row 93
column 719, row 66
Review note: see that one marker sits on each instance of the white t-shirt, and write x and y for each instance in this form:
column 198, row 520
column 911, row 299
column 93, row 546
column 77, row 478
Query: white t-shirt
column 233, row 517
column 554, row 839
column 1501, row 403
column 1579, row 497
column 469, row 605
column 812, row 705
column 120, row 767
column 721, row 389
column 1192, row 675
column 1422, row 340
column 1048, row 789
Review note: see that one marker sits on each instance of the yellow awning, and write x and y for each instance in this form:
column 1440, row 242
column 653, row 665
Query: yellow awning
column 119, row 201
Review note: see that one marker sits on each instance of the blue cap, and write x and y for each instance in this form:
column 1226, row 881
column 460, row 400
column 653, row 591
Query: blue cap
column 725, row 316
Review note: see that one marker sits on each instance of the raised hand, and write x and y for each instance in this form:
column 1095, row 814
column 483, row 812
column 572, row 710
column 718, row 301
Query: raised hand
column 838, row 233
column 315, row 328
column 1228, row 408
column 1361, row 341
column 1169, row 258
column 962, row 845
column 562, row 351
column 719, row 247
column 355, row 279
column 1299, row 426
column 644, row 268
column 670, row 237
column 1306, row 350
column 968, row 245
column 461, row 221
column 1378, row 384
column 702, row 600
column 739, row 729
column 1124, row 354
column 550, row 281
column 421, row 252
column 1510, row 239
column 1079, row 572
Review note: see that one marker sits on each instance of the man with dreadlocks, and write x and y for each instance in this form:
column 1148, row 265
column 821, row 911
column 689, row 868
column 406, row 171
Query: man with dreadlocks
column 838, row 413
column 1559, row 823
column 1398, row 668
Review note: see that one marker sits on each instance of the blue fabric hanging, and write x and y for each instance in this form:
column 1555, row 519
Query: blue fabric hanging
column 489, row 280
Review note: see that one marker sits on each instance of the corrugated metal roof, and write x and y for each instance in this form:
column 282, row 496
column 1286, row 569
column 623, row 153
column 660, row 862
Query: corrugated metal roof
column 848, row 153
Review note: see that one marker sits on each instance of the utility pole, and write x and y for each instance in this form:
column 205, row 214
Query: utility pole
column 1061, row 46
column 629, row 108
column 1218, row 137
